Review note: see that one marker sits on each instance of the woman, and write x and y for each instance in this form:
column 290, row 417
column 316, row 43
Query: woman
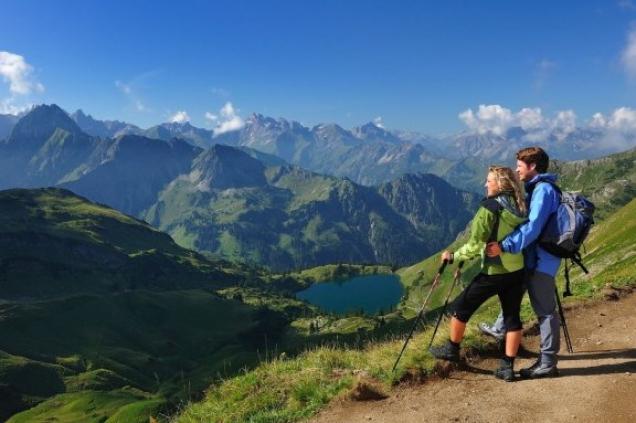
column 499, row 213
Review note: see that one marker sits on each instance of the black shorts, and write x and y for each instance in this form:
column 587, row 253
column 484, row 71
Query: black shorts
column 509, row 287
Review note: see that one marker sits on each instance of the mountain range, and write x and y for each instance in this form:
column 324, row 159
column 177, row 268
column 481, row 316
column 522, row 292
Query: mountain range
column 239, row 202
column 287, row 217
column 368, row 154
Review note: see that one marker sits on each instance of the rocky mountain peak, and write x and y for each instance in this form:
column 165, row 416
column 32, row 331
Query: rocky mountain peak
column 222, row 167
column 35, row 128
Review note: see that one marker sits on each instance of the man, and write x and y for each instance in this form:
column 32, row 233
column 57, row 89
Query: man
column 541, row 266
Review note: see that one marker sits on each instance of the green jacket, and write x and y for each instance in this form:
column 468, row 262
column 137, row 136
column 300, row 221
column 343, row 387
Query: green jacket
column 481, row 229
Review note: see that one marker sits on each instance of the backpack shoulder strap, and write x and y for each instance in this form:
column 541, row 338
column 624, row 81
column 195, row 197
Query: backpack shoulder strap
column 495, row 207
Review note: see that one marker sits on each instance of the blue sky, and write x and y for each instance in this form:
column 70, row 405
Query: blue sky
column 415, row 64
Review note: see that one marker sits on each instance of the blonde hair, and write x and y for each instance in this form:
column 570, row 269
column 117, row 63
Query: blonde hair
column 507, row 181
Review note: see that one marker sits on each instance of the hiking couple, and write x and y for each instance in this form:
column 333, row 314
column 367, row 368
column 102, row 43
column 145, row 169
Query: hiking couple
column 505, row 226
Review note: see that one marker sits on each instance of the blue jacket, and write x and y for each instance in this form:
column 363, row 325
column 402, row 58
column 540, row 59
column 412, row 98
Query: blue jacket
column 542, row 200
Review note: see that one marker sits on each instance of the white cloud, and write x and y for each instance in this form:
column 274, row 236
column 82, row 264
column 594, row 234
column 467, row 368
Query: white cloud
column 492, row 118
column 18, row 73
column 227, row 111
column 497, row 120
column 564, row 124
column 598, row 121
column 378, row 122
column 628, row 57
column 227, row 119
column 622, row 120
column 8, row 107
column 619, row 128
column 530, row 119
column 626, row 4
column 180, row 117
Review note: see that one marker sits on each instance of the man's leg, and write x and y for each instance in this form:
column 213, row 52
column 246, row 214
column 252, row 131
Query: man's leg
column 497, row 328
column 541, row 292
column 498, row 325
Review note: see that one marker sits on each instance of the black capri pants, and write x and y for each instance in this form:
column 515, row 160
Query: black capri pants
column 508, row 286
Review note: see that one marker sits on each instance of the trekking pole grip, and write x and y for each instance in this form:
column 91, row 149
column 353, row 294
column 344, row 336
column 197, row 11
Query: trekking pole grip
column 458, row 271
column 442, row 267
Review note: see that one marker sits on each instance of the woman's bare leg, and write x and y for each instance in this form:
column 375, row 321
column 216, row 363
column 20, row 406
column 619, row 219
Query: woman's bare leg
column 457, row 329
column 513, row 339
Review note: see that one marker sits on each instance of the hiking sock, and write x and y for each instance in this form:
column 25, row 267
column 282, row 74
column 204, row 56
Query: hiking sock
column 509, row 360
column 454, row 344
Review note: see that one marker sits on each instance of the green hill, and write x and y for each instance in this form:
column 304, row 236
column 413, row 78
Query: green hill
column 610, row 182
column 284, row 217
column 103, row 316
column 609, row 254
column 55, row 243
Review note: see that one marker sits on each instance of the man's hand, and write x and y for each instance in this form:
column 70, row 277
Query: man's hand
column 447, row 256
column 493, row 249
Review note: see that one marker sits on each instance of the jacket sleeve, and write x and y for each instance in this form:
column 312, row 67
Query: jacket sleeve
column 480, row 230
column 543, row 203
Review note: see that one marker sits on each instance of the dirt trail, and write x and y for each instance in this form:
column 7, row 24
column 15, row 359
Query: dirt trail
column 597, row 382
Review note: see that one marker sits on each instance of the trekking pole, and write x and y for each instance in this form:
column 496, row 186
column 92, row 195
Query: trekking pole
column 421, row 312
column 450, row 291
column 566, row 332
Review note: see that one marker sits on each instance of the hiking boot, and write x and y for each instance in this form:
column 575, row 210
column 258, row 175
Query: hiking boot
column 447, row 351
column 505, row 371
column 486, row 329
column 538, row 370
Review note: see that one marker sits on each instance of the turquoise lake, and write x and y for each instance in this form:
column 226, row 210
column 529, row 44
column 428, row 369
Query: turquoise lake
column 369, row 293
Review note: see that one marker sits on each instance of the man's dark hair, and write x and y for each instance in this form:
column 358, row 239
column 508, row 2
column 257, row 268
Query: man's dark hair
column 534, row 155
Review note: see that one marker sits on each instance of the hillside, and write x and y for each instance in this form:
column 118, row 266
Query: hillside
column 609, row 253
column 103, row 316
column 610, row 182
column 285, row 217
column 54, row 241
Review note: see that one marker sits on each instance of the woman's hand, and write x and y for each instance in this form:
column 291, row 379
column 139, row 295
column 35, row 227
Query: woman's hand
column 447, row 256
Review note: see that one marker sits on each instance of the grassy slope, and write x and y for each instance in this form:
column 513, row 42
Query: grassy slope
column 610, row 182
column 61, row 213
column 167, row 344
column 289, row 390
column 610, row 254
column 55, row 243
column 299, row 219
column 93, row 301
column 120, row 405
